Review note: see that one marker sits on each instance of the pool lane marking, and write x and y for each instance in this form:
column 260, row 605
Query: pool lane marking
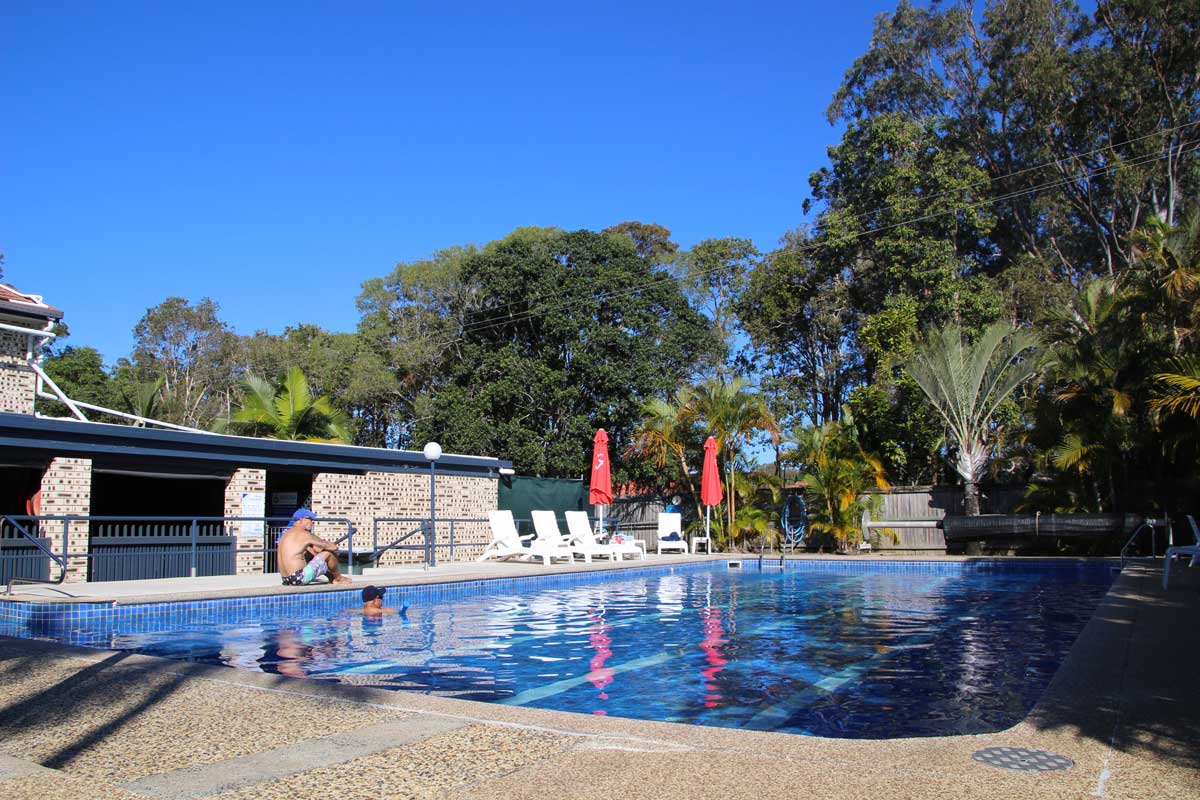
column 558, row 687
column 774, row 715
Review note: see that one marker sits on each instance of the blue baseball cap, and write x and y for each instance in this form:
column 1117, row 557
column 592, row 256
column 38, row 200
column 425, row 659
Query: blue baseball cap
column 303, row 513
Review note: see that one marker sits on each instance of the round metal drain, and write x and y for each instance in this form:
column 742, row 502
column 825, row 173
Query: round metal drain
column 1022, row 758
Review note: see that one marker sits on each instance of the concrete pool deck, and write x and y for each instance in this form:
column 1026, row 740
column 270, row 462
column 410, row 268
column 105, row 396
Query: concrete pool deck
column 79, row 723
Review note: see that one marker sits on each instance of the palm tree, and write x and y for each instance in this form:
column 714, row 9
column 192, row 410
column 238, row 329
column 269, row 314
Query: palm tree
column 1181, row 390
column 663, row 436
column 1169, row 260
column 143, row 399
column 762, row 518
column 731, row 414
column 837, row 473
column 966, row 383
column 1093, row 381
column 289, row 412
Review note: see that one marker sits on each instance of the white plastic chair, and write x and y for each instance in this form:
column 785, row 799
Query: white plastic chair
column 1192, row 550
column 671, row 522
column 581, row 531
column 549, row 534
column 583, row 541
column 506, row 542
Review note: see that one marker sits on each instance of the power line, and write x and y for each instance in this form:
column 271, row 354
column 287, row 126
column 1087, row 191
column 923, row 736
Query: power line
column 1057, row 162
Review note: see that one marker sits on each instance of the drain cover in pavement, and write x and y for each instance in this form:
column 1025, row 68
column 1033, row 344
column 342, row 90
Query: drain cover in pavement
column 1022, row 758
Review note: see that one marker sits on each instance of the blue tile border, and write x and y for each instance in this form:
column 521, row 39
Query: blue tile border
column 61, row 620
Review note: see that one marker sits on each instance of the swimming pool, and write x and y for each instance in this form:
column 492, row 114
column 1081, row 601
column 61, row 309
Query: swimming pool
column 850, row 650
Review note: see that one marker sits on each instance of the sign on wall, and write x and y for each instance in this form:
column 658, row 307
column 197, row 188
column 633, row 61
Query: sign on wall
column 254, row 504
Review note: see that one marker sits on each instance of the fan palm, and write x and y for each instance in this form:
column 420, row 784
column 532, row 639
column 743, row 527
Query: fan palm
column 966, row 383
column 289, row 412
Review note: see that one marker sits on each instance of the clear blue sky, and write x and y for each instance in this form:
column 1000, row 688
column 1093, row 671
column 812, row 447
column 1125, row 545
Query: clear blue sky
column 275, row 157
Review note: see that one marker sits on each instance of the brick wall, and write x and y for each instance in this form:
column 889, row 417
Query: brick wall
column 17, row 381
column 363, row 498
column 249, row 548
column 67, row 489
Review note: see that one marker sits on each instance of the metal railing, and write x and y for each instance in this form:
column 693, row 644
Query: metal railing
column 22, row 560
column 1150, row 524
column 430, row 545
column 139, row 547
column 423, row 526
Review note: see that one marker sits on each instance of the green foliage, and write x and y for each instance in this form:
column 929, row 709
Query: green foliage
column 757, row 517
column 287, row 412
column 340, row 366
column 141, row 399
column 561, row 333
column 895, row 421
column 1181, row 387
column 80, row 373
column 713, row 274
column 797, row 310
column 732, row 414
column 967, row 383
column 652, row 241
column 910, row 184
column 194, row 352
column 837, row 475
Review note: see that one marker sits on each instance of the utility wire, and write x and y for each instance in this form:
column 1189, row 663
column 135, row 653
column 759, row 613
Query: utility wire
column 543, row 309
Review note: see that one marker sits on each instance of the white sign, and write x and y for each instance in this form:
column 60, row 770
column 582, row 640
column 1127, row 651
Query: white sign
column 254, row 504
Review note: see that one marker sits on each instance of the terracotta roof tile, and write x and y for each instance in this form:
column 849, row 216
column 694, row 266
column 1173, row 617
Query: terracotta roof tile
column 29, row 303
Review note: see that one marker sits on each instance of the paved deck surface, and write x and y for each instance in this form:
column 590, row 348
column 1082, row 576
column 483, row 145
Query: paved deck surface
column 88, row 724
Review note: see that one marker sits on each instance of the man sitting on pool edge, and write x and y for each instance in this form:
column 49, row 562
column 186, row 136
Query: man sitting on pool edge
column 303, row 557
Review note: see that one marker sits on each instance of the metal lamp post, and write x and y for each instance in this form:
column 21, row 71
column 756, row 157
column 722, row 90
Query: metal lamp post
column 433, row 451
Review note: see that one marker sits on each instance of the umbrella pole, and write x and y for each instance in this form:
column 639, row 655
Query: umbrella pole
column 707, row 534
column 601, row 514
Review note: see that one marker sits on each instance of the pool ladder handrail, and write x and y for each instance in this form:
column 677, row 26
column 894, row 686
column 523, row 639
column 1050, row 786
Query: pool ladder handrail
column 377, row 551
column 60, row 560
column 1148, row 523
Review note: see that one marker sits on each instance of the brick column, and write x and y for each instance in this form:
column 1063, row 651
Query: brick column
column 67, row 489
column 17, row 381
column 249, row 548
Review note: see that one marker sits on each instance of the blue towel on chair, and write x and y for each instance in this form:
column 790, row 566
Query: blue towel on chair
column 674, row 537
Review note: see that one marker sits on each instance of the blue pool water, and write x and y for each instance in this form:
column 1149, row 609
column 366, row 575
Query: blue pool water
column 830, row 650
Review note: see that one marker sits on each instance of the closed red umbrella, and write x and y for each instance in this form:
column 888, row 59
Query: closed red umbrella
column 600, row 486
column 710, row 480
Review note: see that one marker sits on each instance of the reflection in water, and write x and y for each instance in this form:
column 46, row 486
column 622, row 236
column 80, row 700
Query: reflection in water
column 598, row 638
column 870, row 653
column 714, row 637
column 287, row 651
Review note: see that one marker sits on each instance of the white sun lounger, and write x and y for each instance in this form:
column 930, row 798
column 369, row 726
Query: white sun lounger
column 582, row 536
column 547, row 529
column 507, row 543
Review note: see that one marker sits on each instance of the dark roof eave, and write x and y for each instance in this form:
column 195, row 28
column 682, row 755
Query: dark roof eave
column 29, row 310
column 73, row 437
